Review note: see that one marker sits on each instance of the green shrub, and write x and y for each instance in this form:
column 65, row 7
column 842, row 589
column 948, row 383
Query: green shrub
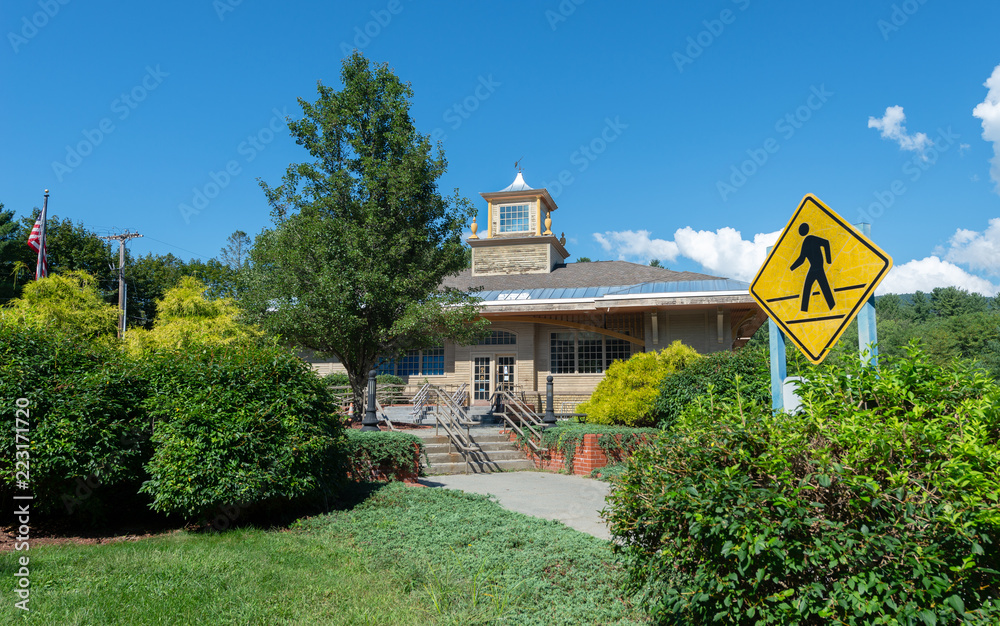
column 626, row 393
column 393, row 455
column 610, row 472
column 239, row 426
column 88, row 436
column 877, row 504
column 719, row 369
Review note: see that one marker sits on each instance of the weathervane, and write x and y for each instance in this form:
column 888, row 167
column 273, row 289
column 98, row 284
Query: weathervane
column 517, row 165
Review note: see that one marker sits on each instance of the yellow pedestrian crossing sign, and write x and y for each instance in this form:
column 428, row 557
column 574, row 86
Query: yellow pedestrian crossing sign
column 817, row 276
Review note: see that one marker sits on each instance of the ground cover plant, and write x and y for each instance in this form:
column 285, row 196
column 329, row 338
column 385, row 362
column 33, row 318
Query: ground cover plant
column 626, row 393
column 876, row 504
column 481, row 564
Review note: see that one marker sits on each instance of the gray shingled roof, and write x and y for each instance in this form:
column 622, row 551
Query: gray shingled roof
column 593, row 274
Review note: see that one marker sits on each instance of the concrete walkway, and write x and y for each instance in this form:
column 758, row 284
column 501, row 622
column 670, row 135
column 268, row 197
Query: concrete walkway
column 573, row 500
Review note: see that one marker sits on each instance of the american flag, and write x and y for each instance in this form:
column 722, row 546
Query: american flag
column 36, row 241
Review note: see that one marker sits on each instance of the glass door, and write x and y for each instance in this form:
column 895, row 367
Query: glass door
column 481, row 390
column 505, row 373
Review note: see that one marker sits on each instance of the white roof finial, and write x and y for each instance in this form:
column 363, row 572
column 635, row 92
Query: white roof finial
column 518, row 184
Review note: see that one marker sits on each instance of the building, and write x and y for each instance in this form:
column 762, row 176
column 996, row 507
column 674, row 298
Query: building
column 569, row 320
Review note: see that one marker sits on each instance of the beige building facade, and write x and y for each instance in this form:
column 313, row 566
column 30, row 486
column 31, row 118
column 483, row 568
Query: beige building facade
column 569, row 320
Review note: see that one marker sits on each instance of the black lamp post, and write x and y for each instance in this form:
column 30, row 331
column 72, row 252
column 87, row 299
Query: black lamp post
column 371, row 421
column 550, row 417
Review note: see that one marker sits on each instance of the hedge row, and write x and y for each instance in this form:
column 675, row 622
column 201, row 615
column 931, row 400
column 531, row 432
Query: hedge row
column 185, row 432
column 876, row 504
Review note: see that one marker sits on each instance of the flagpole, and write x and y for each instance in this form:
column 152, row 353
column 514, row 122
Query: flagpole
column 39, row 266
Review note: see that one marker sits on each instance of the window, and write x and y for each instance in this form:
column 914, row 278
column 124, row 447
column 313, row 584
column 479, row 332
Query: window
column 514, row 218
column 499, row 338
column 426, row 362
column 589, row 352
column 616, row 350
column 563, row 353
column 578, row 352
column 432, row 361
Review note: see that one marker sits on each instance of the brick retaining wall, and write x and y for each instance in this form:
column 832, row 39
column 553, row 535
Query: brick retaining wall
column 588, row 456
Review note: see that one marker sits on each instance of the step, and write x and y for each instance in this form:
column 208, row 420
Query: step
column 477, row 467
column 486, row 446
column 454, row 457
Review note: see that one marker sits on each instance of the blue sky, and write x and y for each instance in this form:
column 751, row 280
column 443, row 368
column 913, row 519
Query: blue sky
column 686, row 133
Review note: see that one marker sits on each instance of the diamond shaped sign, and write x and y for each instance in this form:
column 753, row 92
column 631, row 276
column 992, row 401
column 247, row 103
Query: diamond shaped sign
column 817, row 276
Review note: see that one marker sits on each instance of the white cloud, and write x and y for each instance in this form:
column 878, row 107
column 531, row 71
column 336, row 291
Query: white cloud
column 637, row 245
column 978, row 250
column 926, row 274
column 891, row 127
column 989, row 111
column 723, row 252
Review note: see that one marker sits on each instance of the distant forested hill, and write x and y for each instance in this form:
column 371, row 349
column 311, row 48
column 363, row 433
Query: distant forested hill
column 949, row 322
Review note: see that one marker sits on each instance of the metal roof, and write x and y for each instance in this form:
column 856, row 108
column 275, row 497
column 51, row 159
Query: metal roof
column 566, row 293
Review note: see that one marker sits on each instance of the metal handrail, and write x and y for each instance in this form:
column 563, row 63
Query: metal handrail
column 381, row 416
column 461, row 395
column 452, row 419
column 419, row 400
column 527, row 417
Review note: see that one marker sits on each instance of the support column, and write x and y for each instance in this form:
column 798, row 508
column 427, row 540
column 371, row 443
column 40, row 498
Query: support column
column 371, row 420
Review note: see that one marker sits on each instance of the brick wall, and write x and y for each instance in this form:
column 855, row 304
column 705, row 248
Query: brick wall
column 588, row 456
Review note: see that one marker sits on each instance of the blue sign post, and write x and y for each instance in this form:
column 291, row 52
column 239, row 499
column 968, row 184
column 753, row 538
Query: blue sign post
column 867, row 342
column 867, row 329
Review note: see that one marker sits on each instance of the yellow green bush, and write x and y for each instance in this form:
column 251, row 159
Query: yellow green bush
column 185, row 317
column 68, row 303
column 628, row 393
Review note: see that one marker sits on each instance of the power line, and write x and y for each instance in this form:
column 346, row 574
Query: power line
column 121, row 239
column 199, row 254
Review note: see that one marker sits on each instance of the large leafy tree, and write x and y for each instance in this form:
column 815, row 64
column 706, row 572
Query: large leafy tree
column 362, row 237
column 74, row 248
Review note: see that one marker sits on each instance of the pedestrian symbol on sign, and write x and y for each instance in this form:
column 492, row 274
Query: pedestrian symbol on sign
column 813, row 248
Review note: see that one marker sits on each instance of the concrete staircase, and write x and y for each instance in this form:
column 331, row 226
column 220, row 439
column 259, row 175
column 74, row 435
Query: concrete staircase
column 498, row 454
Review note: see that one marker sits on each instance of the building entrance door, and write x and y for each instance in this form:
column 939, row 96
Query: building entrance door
column 481, row 387
column 505, row 379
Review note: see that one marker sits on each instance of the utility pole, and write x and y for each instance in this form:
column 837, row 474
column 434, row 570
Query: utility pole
column 121, row 239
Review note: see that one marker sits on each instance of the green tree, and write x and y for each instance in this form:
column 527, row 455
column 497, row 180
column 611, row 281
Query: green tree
column 583, row 259
column 362, row 237
column 11, row 255
column 236, row 253
column 920, row 307
column 74, row 248
column 655, row 263
column 889, row 306
column 951, row 301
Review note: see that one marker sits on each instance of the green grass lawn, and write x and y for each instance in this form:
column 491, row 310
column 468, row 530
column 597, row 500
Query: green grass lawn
column 404, row 556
